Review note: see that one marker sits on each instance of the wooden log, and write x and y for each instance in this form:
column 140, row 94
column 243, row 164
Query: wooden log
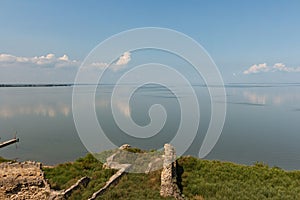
column 9, row 142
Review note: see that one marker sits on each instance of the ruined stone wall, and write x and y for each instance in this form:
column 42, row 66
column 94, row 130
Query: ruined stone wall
column 169, row 185
column 23, row 181
column 26, row 180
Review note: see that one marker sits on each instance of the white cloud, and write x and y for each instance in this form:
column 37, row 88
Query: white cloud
column 49, row 60
column 52, row 61
column 282, row 67
column 64, row 58
column 124, row 59
column 259, row 68
column 50, row 68
column 120, row 64
column 8, row 58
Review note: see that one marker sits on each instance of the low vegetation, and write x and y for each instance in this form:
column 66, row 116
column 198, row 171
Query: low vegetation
column 136, row 186
column 200, row 179
column 3, row 160
column 223, row 180
column 64, row 175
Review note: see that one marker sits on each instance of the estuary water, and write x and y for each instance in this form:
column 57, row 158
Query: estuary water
column 262, row 122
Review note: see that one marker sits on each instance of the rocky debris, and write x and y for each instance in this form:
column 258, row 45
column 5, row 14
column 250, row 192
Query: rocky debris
column 23, row 181
column 112, row 180
column 111, row 164
column 64, row 194
column 141, row 161
column 56, row 195
column 154, row 165
column 124, row 147
column 20, row 181
column 84, row 181
column 169, row 185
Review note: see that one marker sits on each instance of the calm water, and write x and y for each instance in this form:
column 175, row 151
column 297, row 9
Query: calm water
column 262, row 122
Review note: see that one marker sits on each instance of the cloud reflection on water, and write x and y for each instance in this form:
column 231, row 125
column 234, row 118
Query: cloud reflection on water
column 271, row 97
column 10, row 110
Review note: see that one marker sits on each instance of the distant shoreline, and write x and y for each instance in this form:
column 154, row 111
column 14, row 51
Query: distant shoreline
column 226, row 85
column 36, row 85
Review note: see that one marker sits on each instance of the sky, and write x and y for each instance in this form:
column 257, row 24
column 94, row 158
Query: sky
column 250, row 41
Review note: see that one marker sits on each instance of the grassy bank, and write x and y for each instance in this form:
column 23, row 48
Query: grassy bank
column 223, row 180
column 64, row 175
column 201, row 179
column 3, row 160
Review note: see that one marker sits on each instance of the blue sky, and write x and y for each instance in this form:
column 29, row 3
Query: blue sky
column 238, row 35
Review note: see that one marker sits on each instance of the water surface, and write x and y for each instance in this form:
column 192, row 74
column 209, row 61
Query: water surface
column 262, row 122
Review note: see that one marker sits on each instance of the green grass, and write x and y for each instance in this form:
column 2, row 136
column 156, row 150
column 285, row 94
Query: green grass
column 136, row 186
column 215, row 180
column 3, row 160
column 64, row 175
column 200, row 179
